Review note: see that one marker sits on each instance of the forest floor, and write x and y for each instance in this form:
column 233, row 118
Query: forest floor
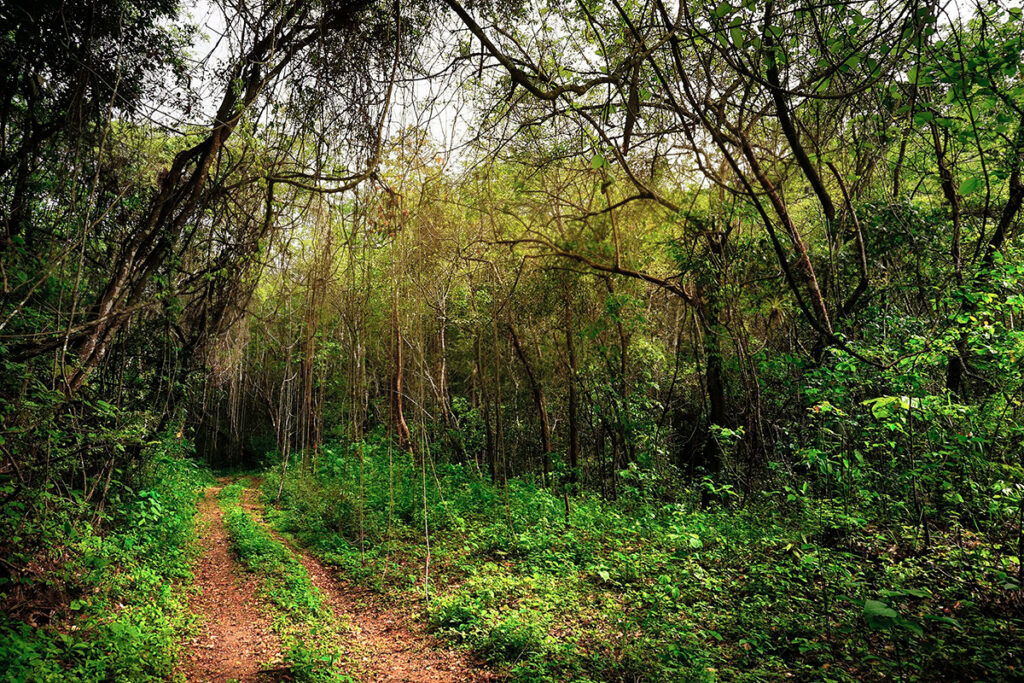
column 236, row 642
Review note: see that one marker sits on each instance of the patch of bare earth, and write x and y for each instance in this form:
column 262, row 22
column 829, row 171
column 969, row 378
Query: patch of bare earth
column 235, row 636
column 388, row 645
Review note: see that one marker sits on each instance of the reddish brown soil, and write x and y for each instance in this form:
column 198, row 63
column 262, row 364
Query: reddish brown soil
column 235, row 639
column 386, row 644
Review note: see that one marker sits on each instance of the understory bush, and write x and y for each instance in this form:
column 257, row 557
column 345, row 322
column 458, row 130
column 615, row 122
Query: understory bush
column 118, row 585
column 638, row 589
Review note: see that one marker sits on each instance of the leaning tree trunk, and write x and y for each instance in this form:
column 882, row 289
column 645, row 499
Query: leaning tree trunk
column 183, row 189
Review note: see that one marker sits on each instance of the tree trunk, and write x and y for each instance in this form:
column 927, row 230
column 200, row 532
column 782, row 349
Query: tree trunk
column 574, row 437
column 538, row 401
column 398, row 415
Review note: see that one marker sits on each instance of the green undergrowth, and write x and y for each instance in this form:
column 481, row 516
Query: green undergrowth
column 306, row 625
column 642, row 589
column 114, row 582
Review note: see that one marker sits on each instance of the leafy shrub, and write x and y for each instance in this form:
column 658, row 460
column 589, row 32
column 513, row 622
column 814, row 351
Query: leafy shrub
column 128, row 609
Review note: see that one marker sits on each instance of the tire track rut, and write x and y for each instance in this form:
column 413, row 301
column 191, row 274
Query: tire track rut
column 389, row 646
column 235, row 638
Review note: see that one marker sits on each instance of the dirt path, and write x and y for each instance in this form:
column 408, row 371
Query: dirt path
column 389, row 645
column 235, row 638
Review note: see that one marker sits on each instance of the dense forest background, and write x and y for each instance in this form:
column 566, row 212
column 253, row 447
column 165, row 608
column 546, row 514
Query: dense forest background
column 682, row 339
